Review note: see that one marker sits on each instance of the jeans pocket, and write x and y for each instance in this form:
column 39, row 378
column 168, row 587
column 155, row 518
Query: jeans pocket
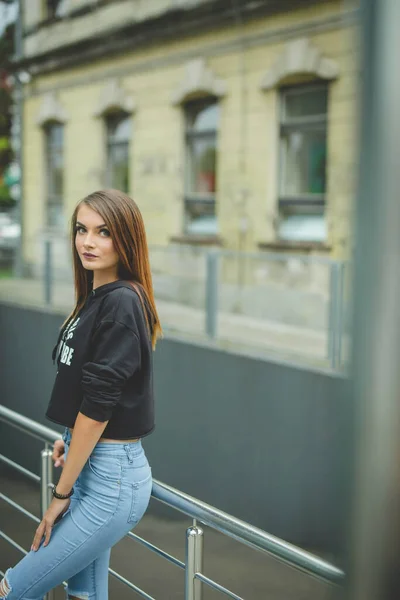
column 141, row 492
column 105, row 468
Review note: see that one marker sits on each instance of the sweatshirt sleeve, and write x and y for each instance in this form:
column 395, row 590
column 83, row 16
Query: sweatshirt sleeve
column 115, row 358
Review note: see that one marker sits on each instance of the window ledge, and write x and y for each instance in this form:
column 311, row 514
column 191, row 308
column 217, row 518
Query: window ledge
column 197, row 240
column 286, row 245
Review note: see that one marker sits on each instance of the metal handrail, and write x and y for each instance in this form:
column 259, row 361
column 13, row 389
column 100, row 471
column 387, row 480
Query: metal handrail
column 205, row 513
column 245, row 533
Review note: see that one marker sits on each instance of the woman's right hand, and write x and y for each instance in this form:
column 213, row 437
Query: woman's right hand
column 58, row 453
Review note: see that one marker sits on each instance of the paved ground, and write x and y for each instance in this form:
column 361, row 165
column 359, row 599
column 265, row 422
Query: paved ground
column 241, row 333
column 246, row 572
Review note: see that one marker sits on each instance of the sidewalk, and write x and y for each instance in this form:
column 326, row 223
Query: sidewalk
column 239, row 333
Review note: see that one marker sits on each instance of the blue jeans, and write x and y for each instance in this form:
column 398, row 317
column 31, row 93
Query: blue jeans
column 111, row 496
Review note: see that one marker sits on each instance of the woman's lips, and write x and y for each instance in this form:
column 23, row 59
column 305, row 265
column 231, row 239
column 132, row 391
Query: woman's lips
column 89, row 256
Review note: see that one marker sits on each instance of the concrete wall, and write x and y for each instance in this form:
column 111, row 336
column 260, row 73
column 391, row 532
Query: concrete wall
column 263, row 441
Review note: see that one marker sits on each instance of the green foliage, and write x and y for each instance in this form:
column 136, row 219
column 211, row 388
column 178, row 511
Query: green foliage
column 6, row 53
column 4, row 143
column 7, row 47
column 5, row 198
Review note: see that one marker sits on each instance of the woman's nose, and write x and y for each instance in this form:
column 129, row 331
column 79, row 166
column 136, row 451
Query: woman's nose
column 88, row 241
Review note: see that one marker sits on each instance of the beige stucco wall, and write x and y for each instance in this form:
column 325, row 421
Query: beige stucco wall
column 248, row 138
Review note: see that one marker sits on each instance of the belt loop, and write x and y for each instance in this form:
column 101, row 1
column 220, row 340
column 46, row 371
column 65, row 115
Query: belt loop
column 128, row 450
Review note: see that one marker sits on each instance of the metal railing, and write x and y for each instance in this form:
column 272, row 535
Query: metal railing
column 196, row 509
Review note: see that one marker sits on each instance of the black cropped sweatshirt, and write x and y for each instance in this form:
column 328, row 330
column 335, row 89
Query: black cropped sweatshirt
column 104, row 359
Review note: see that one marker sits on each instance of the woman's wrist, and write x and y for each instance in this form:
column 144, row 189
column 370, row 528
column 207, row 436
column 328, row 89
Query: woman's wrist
column 61, row 494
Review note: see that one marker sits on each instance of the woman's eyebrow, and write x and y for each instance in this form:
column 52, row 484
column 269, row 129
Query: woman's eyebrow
column 97, row 227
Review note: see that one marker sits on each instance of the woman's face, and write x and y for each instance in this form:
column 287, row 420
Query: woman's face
column 94, row 244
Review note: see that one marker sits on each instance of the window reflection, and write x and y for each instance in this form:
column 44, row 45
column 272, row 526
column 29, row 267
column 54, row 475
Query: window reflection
column 202, row 118
column 54, row 133
column 118, row 139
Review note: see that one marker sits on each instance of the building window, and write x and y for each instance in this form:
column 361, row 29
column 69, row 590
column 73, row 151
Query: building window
column 52, row 7
column 118, row 138
column 202, row 119
column 55, row 174
column 303, row 149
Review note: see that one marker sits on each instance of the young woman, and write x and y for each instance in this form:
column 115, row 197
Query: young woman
column 103, row 396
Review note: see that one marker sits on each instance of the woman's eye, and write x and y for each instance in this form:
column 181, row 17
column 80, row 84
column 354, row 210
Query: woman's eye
column 105, row 232
column 80, row 229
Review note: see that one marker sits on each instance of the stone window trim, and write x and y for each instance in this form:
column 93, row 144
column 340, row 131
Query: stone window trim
column 299, row 57
column 51, row 111
column 199, row 81
column 197, row 240
column 114, row 99
column 294, row 246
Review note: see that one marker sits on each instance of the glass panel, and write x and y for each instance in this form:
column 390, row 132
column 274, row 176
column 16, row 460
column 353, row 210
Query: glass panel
column 118, row 167
column 304, row 162
column 305, row 102
column 202, row 116
column 200, row 218
column 201, row 172
column 119, row 128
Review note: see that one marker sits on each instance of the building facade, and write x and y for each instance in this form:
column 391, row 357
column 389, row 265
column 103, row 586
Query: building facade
column 231, row 123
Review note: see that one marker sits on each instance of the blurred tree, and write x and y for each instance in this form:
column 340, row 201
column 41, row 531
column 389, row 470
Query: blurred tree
column 6, row 101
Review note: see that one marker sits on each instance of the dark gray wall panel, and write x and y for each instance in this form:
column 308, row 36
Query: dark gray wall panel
column 261, row 440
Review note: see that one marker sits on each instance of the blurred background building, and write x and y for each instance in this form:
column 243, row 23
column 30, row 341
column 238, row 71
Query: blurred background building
column 231, row 123
column 234, row 125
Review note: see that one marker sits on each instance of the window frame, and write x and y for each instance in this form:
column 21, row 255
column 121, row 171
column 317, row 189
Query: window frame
column 50, row 12
column 300, row 202
column 117, row 117
column 190, row 136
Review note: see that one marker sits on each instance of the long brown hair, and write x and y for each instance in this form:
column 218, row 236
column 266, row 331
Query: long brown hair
column 125, row 223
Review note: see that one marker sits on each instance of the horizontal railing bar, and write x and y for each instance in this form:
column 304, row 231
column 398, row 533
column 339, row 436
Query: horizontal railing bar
column 209, row 515
column 217, row 586
column 157, row 550
column 266, row 256
column 10, row 541
column 18, row 467
column 28, row 425
column 19, row 507
column 245, row 533
column 130, row 585
column 25, row 430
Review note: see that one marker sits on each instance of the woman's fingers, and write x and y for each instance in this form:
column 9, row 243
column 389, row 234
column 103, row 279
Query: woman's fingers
column 45, row 530
column 58, row 453
column 60, row 461
column 48, row 534
column 38, row 536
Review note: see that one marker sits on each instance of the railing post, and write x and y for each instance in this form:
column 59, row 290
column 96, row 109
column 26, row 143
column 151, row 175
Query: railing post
column 335, row 324
column 212, row 294
column 340, row 312
column 48, row 271
column 46, row 479
column 193, row 563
